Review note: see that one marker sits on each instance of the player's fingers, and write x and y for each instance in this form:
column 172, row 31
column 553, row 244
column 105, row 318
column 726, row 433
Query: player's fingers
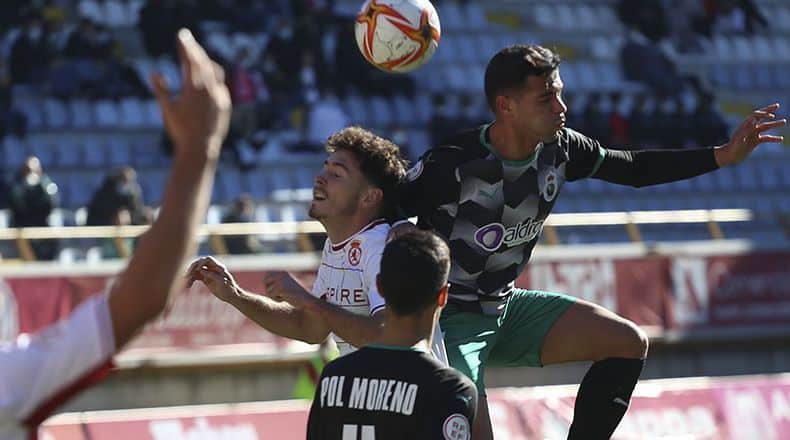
column 162, row 94
column 219, row 72
column 771, row 124
column 770, row 138
column 770, row 108
column 763, row 115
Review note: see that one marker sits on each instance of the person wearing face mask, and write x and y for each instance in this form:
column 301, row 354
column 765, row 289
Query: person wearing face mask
column 119, row 192
column 32, row 198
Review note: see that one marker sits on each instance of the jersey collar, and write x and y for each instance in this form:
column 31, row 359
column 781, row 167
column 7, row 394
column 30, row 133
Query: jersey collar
column 485, row 139
column 371, row 225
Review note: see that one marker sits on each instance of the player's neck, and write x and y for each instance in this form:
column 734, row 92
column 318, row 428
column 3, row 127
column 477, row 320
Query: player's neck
column 409, row 331
column 341, row 229
column 509, row 144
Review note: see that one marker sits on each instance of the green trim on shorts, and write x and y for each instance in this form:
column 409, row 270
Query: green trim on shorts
column 513, row 339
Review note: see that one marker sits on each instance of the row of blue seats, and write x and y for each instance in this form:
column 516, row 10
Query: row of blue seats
column 766, row 77
column 52, row 113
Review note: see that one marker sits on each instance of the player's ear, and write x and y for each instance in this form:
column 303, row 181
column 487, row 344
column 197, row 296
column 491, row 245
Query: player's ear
column 373, row 196
column 503, row 105
column 443, row 295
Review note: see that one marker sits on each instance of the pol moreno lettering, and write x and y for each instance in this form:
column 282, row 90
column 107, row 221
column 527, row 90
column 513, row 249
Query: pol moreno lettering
column 369, row 394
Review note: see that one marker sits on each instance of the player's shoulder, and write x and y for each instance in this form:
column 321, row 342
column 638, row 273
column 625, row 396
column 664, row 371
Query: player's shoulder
column 568, row 137
column 460, row 147
column 373, row 237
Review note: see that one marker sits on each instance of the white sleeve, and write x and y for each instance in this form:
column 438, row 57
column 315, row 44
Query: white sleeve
column 35, row 367
column 372, row 268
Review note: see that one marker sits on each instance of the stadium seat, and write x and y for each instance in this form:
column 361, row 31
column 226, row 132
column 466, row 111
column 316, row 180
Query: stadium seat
column 4, row 218
column 131, row 113
column 15, row 150
column 153, row 116
column 45, row 150
column 474, row 16
column 30, row 107
column 120, row 152
column 90, row 9
column 586, row 17
column 230, row 181
column 381, row 111
column 264, row 214
column 357, row 110
column 451, row 16
column 133, row 11
column 81, row 113
column 153, row 185
column 220, row 43
column 116, row 15
column 403, row 111
column 107, row 114
column 258, row 184
column 545, row 16
column 94, row 152
column 55, row 113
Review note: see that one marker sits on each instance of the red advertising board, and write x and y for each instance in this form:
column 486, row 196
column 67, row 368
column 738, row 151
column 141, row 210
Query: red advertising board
column 692, row 409
column 669, row 292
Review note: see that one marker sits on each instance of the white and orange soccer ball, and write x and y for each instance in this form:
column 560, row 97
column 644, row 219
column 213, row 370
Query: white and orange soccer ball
column 397, row 35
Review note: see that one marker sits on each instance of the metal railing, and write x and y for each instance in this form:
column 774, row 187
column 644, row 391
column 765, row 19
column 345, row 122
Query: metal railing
column 630, row 220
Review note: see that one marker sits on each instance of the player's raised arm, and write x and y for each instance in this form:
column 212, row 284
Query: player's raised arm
column 650, row 167
column 197, row 122
column 279, row 317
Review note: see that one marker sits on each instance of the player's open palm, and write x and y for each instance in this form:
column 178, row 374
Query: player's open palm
column 215, row 276
column 749, row 135
column 198, row 117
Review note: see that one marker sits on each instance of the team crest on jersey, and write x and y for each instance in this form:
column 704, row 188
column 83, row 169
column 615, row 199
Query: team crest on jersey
column 548, row 183
column 355, row 253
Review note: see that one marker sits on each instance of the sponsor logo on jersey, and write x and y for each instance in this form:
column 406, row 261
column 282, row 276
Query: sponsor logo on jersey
column 355, row 253
column 456, row 427
column 490, row 237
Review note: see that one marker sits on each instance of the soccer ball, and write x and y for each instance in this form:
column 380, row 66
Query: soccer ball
column 397, row 35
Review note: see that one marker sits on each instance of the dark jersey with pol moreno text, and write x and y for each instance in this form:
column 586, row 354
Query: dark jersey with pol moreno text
column 389, row 393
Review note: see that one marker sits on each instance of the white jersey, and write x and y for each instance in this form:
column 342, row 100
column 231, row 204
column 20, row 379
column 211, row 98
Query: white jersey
column 347, row 278
column 347, row 275
column 40, row 369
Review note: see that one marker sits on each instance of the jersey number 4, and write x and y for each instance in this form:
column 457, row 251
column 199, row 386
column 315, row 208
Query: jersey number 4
column 350, row 432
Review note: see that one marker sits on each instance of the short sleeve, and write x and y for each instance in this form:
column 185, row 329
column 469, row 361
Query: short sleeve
column 78, row 345
column 372, row 269
column 455, row 409
column 585, row 155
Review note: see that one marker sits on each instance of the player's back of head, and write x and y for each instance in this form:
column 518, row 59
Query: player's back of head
column 509, row 68
column 414, row 269
column 379, row 160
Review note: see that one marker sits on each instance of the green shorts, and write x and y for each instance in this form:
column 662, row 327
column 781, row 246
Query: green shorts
column 513, row 339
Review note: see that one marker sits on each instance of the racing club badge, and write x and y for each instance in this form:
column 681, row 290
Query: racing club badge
column 355, row 253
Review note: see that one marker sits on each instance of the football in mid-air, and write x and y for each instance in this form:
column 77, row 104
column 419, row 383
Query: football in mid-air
column 397, row 35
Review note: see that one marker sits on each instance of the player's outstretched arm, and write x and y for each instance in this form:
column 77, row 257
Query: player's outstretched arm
column 197, row 122
column 357, row 330
column 278, row 317
column 650, row 167
column 749, row 135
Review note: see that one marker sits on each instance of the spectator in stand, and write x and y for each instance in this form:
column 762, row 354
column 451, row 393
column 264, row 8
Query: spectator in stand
column 326, row 116
column 30, row 54
column 119, row 192
column 241, row 211
column 619, row 130
column 248, row 92
column 646, row 16
column 733, row 16
column 32, row 198
column 710, row 125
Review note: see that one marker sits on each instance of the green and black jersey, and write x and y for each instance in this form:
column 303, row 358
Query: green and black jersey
column 491, row 211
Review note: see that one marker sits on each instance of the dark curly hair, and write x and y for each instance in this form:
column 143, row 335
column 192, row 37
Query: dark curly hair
column 379, row 160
